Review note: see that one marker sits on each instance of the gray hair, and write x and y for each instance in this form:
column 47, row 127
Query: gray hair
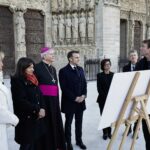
column 133, row 51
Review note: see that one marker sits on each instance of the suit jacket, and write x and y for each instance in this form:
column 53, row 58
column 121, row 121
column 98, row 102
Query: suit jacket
column 72, row 84
column 142, row 65
column 127, row 68
column 103, row 85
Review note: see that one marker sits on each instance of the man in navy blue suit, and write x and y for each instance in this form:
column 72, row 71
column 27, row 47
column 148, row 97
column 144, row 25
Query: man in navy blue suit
column 74, row 89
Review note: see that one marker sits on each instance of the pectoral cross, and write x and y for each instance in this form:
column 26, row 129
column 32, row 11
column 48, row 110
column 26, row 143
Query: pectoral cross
column 53, row 80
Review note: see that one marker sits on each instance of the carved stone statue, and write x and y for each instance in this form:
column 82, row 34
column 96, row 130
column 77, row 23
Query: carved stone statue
column 61, row 29
column 60, row 4
column 74, row 28
column 54, row 5
column 68, row 4
column 74, row 4
column 55, row 29
column 68, row 28
column 82, row 27
column 91, row 4
column 90, row 27
column 82, row 4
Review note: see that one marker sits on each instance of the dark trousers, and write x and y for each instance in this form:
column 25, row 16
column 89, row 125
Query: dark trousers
column 41, row 144
column 78, row 126
column 106, row 131
column 146, row 135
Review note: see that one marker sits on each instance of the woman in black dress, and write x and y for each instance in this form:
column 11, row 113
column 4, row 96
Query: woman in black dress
column 29, row 107
column 103, row 84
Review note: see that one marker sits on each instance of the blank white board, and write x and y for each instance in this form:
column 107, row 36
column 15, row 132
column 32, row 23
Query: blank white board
column 117, row 93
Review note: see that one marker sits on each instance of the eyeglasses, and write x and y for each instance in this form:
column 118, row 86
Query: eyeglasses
column 107, row 64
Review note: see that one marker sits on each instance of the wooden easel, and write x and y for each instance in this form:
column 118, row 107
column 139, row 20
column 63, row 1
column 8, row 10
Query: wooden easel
column 141, row 114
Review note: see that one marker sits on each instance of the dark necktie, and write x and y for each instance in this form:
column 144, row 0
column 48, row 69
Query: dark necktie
column 133, row 67
column 77, row 71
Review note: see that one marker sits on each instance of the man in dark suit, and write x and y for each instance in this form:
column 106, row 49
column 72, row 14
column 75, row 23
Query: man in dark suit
column 144, row 64
column 74, row 89
column 133, row 58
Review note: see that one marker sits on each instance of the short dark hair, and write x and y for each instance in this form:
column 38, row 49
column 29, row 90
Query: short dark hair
column 22, row 65
column 147, row 42
column 103, row 62
column 70, row 54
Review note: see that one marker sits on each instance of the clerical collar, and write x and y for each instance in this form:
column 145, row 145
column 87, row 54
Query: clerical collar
column 46, row 63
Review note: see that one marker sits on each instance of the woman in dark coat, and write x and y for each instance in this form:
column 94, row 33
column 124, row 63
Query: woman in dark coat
column 103, row 84
column 29, row 107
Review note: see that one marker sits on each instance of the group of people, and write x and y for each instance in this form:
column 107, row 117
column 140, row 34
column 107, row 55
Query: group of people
column 35, row 97
column 104, row 80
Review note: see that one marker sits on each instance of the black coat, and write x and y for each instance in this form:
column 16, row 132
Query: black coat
column 142, row 65
column 103, row 85
column 73, row 84
column 127, row 68
column 27, row 101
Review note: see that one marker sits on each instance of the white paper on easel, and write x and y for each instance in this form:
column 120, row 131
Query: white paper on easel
column 117, row 93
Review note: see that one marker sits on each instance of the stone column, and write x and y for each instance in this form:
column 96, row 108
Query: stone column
column 108, row 32
column 47, row 27
column 19, row 32
column 131, row 34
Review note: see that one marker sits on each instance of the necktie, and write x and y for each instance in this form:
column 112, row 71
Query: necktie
column 77, row 71
column 133, row 67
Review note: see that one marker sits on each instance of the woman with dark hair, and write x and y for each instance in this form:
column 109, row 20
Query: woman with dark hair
column 103, row 84
column 28, row 106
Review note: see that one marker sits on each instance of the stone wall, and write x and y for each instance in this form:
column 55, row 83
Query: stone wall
column 18, row 9
column 90, row 26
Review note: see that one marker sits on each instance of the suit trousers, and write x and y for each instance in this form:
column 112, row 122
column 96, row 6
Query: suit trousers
column 78, row 126
column 106, row 131
column 146, row 134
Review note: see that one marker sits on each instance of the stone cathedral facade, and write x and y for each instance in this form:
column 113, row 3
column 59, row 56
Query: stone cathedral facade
column 97, row 28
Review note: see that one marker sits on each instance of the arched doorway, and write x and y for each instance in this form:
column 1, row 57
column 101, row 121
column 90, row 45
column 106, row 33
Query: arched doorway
column 7, row 39
column 34, row 22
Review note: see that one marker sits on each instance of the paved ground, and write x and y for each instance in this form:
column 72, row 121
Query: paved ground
column 91, row 136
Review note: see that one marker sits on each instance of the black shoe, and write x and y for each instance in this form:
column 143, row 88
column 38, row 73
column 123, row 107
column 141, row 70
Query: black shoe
column 69, row 147
column 81, row 145
column 109, row 135
column 105, row 136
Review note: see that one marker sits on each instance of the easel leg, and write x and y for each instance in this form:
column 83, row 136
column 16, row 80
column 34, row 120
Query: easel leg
column 123, row 109
column 113, row 137
column 128, row 125
column 136, row 132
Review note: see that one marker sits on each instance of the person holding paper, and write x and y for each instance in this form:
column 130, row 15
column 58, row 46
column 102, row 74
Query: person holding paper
column 103, row 84
column 144, row 64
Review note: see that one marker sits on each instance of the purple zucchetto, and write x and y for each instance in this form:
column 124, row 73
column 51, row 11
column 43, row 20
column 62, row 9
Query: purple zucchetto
column 44, row 50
